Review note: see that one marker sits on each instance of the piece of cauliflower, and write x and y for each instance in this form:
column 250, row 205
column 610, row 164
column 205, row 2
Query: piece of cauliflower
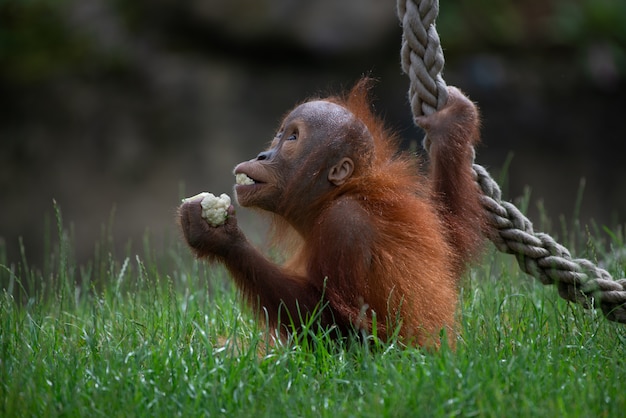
column 243, row 179
column 214, row 208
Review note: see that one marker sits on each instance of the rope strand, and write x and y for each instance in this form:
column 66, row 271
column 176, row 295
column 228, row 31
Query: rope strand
column 538, row 254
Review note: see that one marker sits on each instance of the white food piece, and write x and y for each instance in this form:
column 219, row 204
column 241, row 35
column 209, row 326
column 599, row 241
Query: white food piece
column 243, row 179
column 199, row 196
column 214, row 208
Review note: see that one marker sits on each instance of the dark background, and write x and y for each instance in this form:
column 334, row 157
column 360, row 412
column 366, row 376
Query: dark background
column 117, row 108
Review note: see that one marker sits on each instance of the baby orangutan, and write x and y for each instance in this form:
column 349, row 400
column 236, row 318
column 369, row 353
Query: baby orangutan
column 376, row 243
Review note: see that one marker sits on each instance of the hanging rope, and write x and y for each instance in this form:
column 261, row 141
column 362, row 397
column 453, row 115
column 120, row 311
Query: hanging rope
column 422, row 57
column 538, row 254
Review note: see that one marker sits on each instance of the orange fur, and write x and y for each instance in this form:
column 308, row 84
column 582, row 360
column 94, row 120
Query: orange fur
column 382, row 245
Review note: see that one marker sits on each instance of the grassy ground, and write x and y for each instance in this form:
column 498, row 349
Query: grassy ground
column 144, row 336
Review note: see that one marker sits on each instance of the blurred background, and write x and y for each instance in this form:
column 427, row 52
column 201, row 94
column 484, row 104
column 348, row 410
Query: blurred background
column 118, row 108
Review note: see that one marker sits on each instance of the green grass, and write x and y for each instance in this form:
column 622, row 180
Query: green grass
column 144, row 336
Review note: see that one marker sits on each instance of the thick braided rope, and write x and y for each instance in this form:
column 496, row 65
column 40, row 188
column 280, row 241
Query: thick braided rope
column 538, row 254
column 422, row 57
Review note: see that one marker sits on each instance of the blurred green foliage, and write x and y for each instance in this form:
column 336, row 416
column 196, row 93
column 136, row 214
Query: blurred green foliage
column 477, row 24
column 38, row 41
column 576, row 21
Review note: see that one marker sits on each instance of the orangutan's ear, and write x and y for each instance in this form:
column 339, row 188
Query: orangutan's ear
column 341, row 172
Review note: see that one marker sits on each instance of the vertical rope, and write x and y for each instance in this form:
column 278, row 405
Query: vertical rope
column 422, row 56
column 538, row 254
